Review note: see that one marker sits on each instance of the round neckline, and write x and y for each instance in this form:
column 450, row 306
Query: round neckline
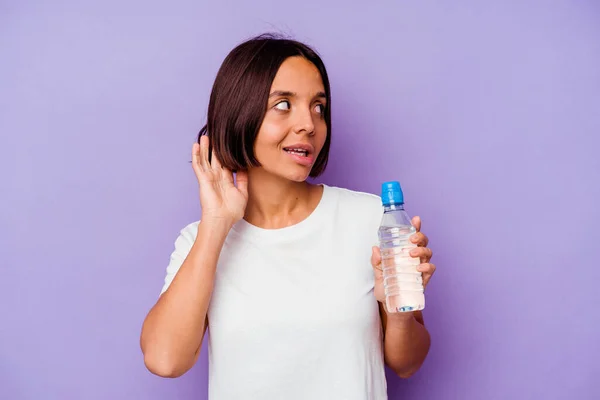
column 245, row 228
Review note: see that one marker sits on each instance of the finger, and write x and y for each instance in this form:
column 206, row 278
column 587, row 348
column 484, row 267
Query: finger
column 416, row 222
column 427, row 271
column 426, row 268
column 218, row 169
column 196, row 159
column 420, row 239
column 204, row 153
column 214, row 161
column 424, row 253
column 227, row 175
column 241, row 179
column 376, row 257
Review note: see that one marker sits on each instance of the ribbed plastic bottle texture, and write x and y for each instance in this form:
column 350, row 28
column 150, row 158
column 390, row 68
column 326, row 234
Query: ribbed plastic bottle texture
column 403, row 283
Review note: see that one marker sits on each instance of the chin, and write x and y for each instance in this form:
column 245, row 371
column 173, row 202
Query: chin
column 296, row 176
column 298, row 179
column 292, row 174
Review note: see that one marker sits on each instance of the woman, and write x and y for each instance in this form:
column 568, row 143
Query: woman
column 278, row 268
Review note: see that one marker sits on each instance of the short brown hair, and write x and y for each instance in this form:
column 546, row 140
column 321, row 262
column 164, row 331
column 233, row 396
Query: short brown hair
column 240, row 94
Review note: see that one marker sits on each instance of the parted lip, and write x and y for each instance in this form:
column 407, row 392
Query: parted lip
column 301, row 146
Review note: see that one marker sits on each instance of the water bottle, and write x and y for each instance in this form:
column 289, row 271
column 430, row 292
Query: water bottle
column 403, row 284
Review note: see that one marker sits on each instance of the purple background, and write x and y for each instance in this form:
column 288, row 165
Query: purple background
column 488, row 112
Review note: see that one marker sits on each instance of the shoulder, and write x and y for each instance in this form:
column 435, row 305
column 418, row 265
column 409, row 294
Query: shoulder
column 362, row 208
column 183, row 244
column 190, row 230
column 358, row 200
column 358, row 213
column 187, row 236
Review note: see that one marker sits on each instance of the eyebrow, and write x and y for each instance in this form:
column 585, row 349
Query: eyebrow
column 283, row 93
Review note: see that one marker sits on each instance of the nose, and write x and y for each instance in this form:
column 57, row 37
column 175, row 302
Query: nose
column 304, row 123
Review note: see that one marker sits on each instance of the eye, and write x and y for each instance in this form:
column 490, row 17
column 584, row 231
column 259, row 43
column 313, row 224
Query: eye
column 283, row 105
column 320, row 108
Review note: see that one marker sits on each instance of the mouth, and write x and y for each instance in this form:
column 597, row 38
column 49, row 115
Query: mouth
column 296, row 151
column 301, row 153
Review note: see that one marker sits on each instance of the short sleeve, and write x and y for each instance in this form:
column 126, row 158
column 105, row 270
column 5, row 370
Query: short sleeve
column 183, row 245
column 376, row 211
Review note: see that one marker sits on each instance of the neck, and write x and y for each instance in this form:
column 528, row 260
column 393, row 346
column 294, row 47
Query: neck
column 392, row 207
column 275, row 202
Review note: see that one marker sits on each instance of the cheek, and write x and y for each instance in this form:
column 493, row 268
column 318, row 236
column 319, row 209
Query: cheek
column 268, row 138
column 270, row 133
column 321, row 133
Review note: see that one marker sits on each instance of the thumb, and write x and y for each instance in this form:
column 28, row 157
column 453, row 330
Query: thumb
column 375, row 257
column 416, row 222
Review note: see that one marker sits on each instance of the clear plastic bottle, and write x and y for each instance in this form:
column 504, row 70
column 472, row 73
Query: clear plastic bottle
column 403, row 284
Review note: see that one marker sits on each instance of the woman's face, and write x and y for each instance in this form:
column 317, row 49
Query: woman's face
column 293, row 131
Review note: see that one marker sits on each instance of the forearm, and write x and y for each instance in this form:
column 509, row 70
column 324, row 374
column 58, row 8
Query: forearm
column 173, row 330
column 406, row 343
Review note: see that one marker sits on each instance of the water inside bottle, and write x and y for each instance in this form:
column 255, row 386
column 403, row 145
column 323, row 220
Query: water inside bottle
column 403, row 283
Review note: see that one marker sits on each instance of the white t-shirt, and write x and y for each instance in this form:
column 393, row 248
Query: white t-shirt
column 293, row 315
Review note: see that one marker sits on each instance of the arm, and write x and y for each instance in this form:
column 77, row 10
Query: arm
column 173, row 330
column 406, row 341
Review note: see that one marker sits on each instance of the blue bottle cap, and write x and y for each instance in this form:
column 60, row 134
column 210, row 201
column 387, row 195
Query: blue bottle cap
column 391, row 193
